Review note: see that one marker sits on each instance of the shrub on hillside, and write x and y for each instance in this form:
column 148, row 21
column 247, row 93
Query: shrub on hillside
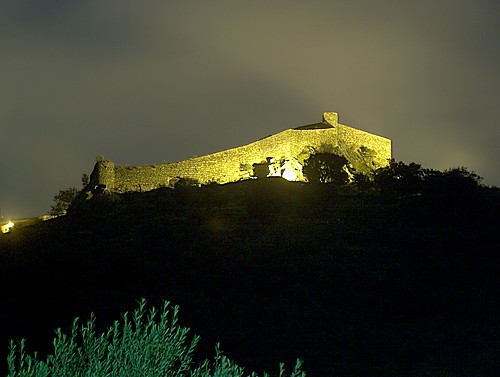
column 62, row 201
column 152, row 345
column 403, row 180
column 326, row 168
column 399, row 179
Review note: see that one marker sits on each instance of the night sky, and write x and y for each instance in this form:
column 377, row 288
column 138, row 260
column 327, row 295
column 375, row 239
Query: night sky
column 145, row 82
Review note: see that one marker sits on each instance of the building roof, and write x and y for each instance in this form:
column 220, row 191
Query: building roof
column 314, row 126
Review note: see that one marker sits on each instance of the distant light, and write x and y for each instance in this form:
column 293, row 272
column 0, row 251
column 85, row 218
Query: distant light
column 6, row 227
column 47, row 217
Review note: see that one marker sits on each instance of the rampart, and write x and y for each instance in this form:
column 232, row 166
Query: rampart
column 284, row 152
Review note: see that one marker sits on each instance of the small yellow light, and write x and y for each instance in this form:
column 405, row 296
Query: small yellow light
column 6, row 227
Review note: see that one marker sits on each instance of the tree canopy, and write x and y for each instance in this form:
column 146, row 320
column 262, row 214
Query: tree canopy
column 326, row 168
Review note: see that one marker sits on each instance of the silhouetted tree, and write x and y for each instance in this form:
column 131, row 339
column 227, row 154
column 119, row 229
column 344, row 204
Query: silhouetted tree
column 65, row 198
column 185, row 193
column 186, row 182
column 326, row 168
column 456, row 181
column 454, row 196
column 85, row 179
column 62, row 201
column 363, row 181
column 400, row 179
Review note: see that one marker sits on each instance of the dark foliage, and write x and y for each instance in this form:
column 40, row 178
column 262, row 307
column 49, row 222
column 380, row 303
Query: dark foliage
column 393, row 277
column 405, row 180
column 62, row 201
column 65, row 199
column 400, row 179
column 326, row 168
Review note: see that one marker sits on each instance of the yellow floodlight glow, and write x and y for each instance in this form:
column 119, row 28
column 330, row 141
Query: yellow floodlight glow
column 6, row 227
column 291, row 170
column 289, row 175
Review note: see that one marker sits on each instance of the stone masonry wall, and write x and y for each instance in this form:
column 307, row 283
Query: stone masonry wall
column 235, row 164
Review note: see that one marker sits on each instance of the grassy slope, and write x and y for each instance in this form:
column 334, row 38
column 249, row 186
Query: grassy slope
column 353, row 283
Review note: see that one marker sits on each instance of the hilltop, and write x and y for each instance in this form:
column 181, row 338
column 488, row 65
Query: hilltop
column 353, row 280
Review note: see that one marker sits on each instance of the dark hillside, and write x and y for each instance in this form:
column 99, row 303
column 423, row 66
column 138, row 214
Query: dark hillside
column 354, row 282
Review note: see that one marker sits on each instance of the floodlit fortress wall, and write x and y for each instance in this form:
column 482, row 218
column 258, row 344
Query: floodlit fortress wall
column 284, row 153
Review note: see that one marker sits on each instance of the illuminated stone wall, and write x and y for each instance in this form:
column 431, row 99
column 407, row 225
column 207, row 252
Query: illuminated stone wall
column 286, row 152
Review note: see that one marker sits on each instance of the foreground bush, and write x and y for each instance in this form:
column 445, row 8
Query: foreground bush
column 152, row 345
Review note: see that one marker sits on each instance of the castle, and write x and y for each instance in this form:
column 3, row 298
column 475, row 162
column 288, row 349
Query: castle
column 283, row 153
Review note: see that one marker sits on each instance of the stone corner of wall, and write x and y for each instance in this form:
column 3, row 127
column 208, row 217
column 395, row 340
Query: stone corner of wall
column 332, row 118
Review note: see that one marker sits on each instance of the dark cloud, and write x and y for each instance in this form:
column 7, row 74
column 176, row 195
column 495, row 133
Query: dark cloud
column 147, row 82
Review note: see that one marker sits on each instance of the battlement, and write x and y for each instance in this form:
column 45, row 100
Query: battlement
column 284, row 153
